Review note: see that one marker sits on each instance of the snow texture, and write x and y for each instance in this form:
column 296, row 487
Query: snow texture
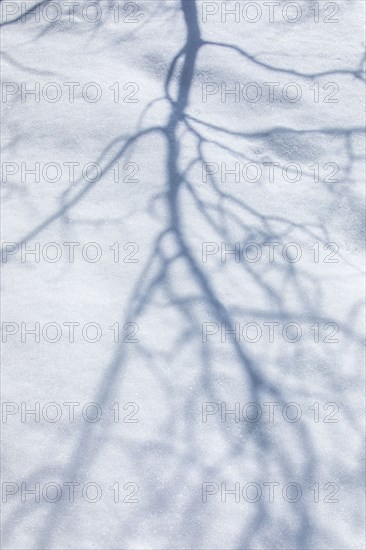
column 188, row 329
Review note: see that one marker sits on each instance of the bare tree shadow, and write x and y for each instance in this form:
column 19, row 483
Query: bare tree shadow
column 159, row 289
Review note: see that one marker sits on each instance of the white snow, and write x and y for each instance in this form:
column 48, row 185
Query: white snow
column 169, row 296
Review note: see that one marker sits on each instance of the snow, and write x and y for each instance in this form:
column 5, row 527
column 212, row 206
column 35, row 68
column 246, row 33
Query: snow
column 160, row 207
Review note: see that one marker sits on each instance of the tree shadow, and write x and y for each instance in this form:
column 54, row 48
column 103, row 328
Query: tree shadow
column 255, row 374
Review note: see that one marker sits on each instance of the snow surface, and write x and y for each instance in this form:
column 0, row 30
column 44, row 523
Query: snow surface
column 169, row 211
